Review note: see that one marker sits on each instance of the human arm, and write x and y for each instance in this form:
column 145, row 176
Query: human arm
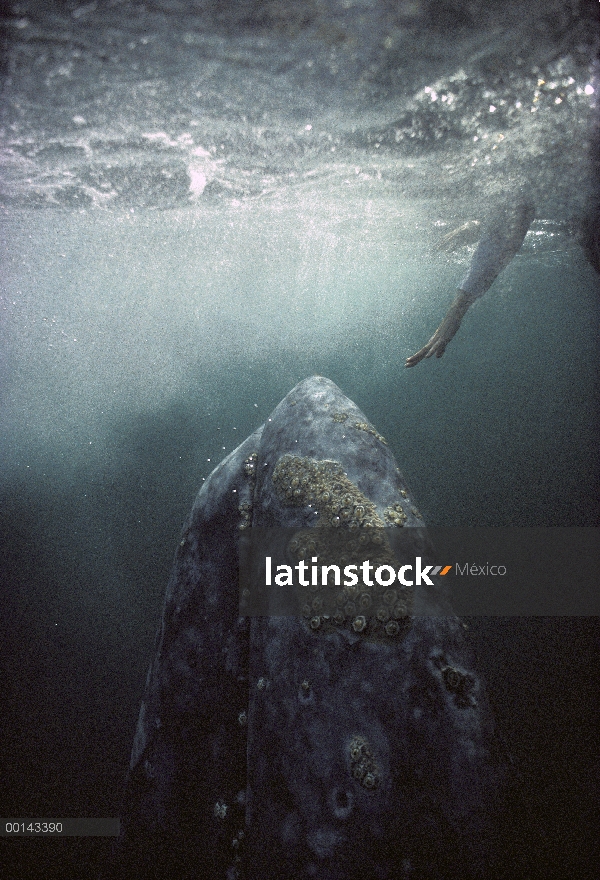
column 499, row 243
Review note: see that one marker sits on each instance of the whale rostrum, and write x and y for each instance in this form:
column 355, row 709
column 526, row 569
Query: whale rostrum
column 341, row 741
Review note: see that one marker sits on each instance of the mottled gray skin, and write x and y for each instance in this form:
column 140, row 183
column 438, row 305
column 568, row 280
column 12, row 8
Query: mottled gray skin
column 245, row 757
column 189, row 751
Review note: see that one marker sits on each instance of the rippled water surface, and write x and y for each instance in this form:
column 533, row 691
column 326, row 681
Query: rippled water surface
column 157, row 104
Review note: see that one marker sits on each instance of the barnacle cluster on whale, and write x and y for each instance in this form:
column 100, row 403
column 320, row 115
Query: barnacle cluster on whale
column 458, row 682
column 303, row 481
column 395, row 515
column 245, row 506
column 363, row 765
column 369, row 429
column 348, row 530
column 342, row 417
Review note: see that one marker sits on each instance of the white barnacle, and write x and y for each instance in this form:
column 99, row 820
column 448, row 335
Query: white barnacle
column 220, row 810
column 369, row 780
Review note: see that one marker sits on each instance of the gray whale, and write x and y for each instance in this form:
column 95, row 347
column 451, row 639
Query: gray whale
column 280, row 747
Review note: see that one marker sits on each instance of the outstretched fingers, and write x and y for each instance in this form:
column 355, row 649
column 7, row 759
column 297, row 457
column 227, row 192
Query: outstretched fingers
column 436, row 346
column 445, row 332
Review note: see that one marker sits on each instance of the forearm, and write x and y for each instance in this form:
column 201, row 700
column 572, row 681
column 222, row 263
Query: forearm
column 454, row 315
column 461, row 303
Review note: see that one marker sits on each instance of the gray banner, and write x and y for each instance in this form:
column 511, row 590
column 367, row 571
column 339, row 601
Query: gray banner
column 342, row 574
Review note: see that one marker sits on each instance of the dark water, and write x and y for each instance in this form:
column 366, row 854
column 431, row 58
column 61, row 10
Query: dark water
column 202, row 204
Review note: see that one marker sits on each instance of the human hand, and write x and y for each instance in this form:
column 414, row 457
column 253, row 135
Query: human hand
column 444, row 333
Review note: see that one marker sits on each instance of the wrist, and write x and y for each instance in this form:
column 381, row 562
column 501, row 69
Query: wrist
column 461, row 302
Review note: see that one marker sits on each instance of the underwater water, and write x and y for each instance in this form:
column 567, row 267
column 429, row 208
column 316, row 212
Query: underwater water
column 202, row 204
